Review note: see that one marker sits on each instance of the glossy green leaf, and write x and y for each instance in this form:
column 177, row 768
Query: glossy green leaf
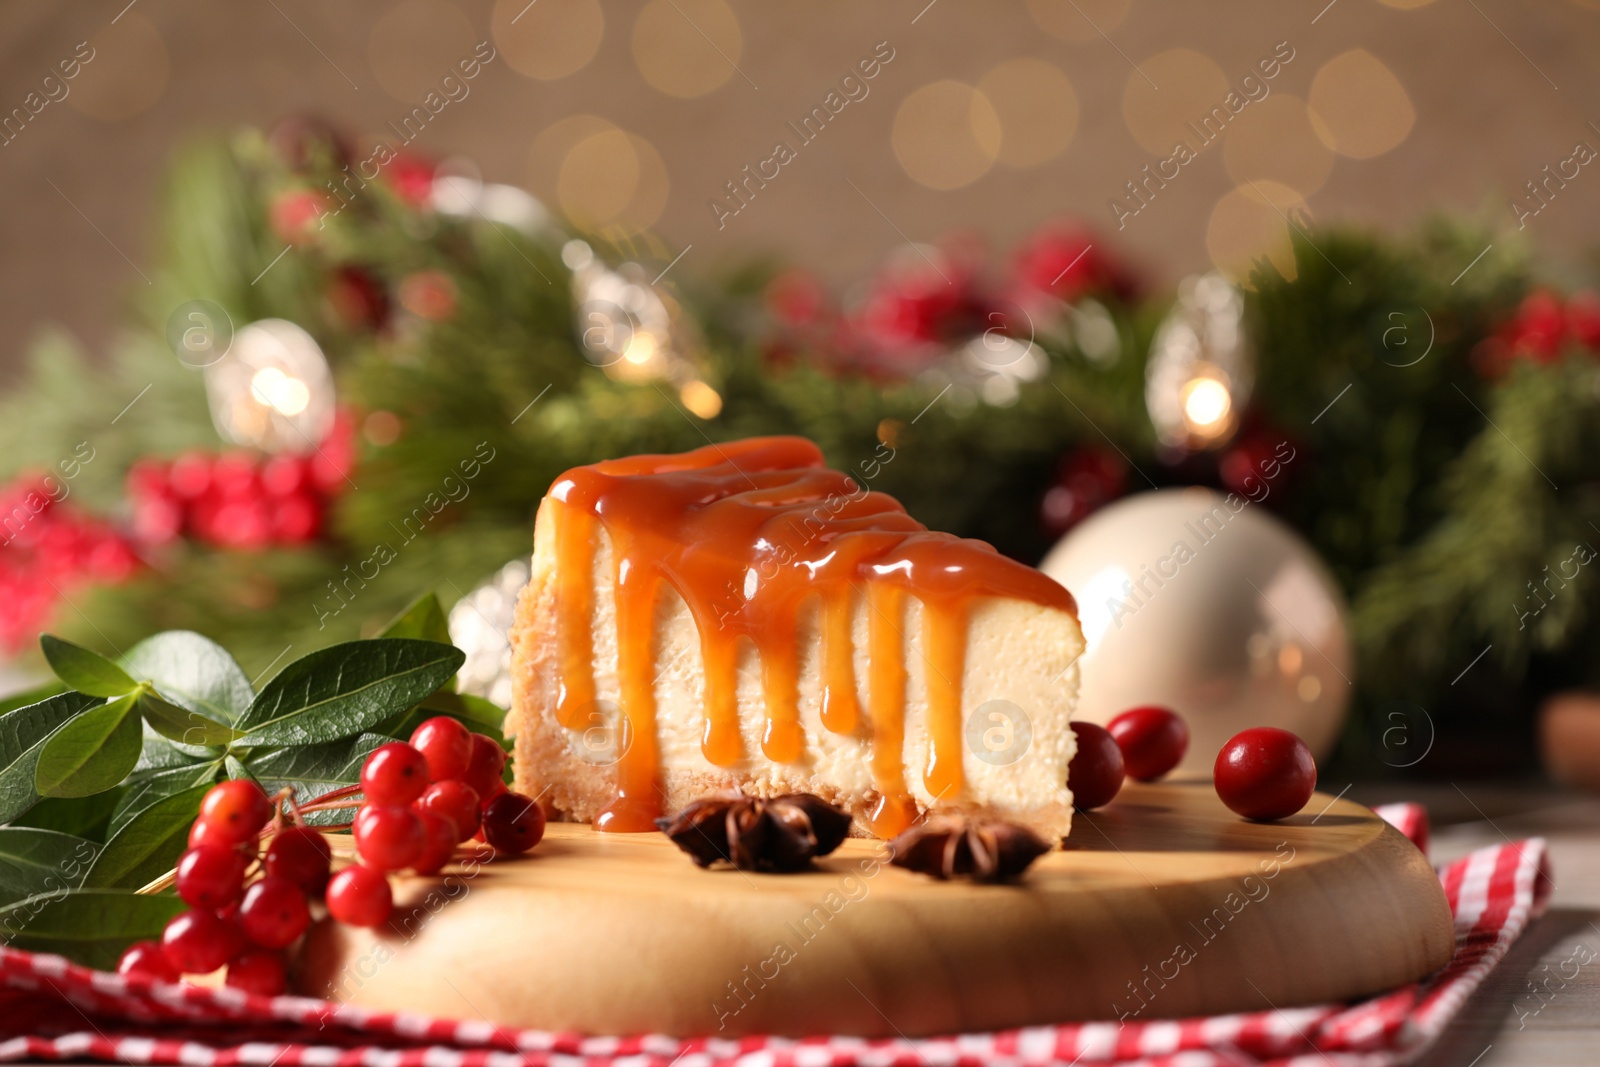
column 181, row 724
column 92, row 752
column 347, row 689
column 424, row 620
column 41, row 861
column 35, row 695
column 84, row 670
column 149, row 844
column 193, row 672
column 314, row 770
column 145, row 789
column 87, row 817
column 90, row 926
column 22, row 734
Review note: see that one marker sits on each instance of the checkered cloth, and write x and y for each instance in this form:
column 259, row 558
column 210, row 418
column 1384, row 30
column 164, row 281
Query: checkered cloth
column 51, row 1009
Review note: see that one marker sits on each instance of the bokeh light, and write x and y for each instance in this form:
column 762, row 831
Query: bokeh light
column 687, row 48
column 1167, row 92
column 1251, row 222
column 1078, row 20
column 549, row 39
column 1358, row 106
column 608, row 179
column 415, row 44
column 946, row 135
column 1037, row 108
column 1274, row 141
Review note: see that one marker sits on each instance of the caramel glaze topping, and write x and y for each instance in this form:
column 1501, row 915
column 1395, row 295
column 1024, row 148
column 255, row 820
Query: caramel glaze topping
column 747, row 533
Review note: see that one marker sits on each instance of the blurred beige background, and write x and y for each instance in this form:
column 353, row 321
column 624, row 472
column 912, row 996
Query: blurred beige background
column 988, row 117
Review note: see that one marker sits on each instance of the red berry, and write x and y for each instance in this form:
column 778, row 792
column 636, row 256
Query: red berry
column 388, row 837
column 487, row 767
column 236, row 810
column 204, row 834
column 300, row 855
column 1153, row 741
column 259, row 972
column 1095, row 773
column 456, row 801
column 1265, row 773
column 395, row 773
column 360, row 896
column 211, row 876
column 438, row 843
column 512, row 823
column 145, row 959
column 197, row 942
column 274, row 913
column 446, row 745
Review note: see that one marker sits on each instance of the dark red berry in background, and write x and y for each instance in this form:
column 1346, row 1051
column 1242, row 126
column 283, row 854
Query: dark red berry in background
column 1265, row 773
column 197, row 942
column 211, row 876
column 485, row 774
column 274, row 913
column 388, row 837
column 456, row 801
column 146, row 959
column 235, row 810
column 446, row 745
column 1095, row 773
column 360, row 896
column 438, row 843
column 260, row 972
column 512, row 823
column 299, row 854
column 395, row 773
column 1153, row 740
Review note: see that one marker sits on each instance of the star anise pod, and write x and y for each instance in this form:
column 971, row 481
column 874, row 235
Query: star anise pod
column 779, row 835
column 955, row 846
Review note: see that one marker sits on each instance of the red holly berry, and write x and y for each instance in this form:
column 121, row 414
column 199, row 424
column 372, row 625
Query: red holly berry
column 1153, row 741
column 429, row 294
column 388, row 838
column 358, row 298
column 284, row 475
column 512, row 823
column 486, row 768
column 198, row 942
column 211, row 876
column 438, row 843
column 1095, row 773
column 1086, row 479
column 296, row 215
column 360, row 896
column 296, row 519
column 235, row 811
column 446, row 745
column 299, row 854
column 455, row 801
column 259, row 972
column 1265, row 773
column 190, row 475
column 274, row 913
column 1583, row 319
column 395, row 773
column 146, row 959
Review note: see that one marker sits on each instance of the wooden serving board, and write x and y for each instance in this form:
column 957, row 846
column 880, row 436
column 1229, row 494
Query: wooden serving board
column 1162, row 904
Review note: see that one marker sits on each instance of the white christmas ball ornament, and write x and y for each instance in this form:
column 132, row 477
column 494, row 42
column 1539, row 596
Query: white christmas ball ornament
column 1208, row 605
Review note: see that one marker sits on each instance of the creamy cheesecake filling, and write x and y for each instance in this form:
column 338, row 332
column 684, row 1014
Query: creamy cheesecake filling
column 751, row 536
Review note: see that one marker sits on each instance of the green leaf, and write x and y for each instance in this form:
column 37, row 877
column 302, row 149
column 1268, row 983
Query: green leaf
column 41, row 861
column 91, row 753
column 79, row 816
column 346, row 689
column 90, row 926
column 181, row 724
column 31, row 696
column 83, row 670
column 314, row 770
column 22, row 734
column 143, row 790
column 194, row 672
column 150, row 844
column 424, row 620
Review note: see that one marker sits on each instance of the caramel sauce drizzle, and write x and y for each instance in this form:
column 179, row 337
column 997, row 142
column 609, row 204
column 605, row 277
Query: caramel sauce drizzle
column 748, row 533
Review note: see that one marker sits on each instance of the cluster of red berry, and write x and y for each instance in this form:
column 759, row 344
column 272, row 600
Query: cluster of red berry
column 248, row 906
column 1262, row 773
column 47, row 550
column 1542, row 329
column 240, row 499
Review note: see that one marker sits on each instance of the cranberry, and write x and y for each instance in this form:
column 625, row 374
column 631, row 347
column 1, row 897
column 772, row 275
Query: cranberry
column 145, row 959
column 486, row 770
column 1095, row 773
column 1265, row 773
column 446, row 745
column 259, row 972
column 388, row 837
column 274, row 913
column 211, row 876
column 360, row 896
column 236, row 810
column 1153, row 741
column 512, row 823
column 197, row 942
column 300, row 855
column 395, row 773
column 438, row 843
column 455, row 801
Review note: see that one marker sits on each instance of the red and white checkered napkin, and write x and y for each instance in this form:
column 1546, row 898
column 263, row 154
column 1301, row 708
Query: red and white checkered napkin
column 52, row 1009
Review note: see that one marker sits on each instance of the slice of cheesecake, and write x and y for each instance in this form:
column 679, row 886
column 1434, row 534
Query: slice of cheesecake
column 742, row 616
